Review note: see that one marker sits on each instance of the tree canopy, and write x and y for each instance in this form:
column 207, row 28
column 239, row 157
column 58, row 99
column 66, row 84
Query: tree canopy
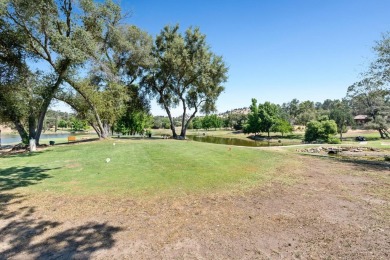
column 185, row 72
column 371, row 95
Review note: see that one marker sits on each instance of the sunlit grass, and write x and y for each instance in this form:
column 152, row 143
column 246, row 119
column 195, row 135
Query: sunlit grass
column 147, row 167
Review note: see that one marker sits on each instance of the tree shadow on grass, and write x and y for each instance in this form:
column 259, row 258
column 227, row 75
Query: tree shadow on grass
column 14, row 177
column 23, row 153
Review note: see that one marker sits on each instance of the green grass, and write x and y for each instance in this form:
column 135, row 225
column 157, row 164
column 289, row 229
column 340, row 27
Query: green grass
column 140, row 167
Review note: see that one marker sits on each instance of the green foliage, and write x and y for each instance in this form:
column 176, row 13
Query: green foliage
column 333, row 140
column 282, row 126
column 263, row 117
column 371, row 95
column 269, row 115
column 197, row 123
column 235, row 120
column 132, row 123
column 292, row 109
column 323, row 118
column 211, row 121
column 341, row 113
column 78, row 125
column 324, row 130
column 63, row 124
column 253, row 124
column 64, row 35
column 157, row 122
column 185, row 72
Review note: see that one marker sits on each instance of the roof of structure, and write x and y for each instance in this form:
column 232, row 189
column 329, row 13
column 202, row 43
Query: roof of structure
column 361, row 117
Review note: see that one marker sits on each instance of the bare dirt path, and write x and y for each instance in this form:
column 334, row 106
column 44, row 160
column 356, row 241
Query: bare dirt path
column 336, row 210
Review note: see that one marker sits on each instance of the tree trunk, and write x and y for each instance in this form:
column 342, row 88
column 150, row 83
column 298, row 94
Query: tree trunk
column 96, row 129
column 63, row 68
column 31, row 126
column 41, row 119
column 183, row 119
column 104, row 131
column 185, row 127
column 22, row 132
column 174, row 135
column 381, row 133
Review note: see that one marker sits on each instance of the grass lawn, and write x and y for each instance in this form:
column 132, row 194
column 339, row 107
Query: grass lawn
column 139, row 167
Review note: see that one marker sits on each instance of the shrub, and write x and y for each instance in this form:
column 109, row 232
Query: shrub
column 324, row 130
column 334, row 140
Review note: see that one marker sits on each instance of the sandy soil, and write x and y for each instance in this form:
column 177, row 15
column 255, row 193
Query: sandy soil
column 336, row 210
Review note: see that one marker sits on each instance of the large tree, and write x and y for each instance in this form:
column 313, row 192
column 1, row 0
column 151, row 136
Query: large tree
column 292, row 109
column 185, row 72
column 269, row 116
column 121, row 59
column 253, row 124
column 57, row 34
column 371, row 95
column 340, row 112
column 306, row 112
column 13, row 75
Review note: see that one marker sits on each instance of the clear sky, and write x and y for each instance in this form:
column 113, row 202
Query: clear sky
column 276, row 50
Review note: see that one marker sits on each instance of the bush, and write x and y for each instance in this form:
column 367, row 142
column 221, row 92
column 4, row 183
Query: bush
column 324, row 130
column 334, row 140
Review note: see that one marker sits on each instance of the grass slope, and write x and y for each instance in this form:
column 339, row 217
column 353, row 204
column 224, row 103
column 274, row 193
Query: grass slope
column 140, row 167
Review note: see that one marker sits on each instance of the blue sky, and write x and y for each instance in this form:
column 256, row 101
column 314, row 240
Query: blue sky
column 277, row 50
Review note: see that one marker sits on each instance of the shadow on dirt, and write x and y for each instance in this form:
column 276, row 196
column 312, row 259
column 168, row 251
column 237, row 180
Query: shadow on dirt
column 361, row 164
column 24, row 236
column 364, row 164
column 27, row 237
column 78, row 242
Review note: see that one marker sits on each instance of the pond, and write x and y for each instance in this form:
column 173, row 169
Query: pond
column 236, row 141
column 14, row 139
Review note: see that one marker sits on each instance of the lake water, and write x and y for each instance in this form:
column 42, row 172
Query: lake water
column 234, row 141
column 14, row 139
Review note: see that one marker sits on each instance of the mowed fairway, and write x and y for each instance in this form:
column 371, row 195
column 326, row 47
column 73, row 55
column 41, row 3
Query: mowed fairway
column 166, row 199
column 138, row 167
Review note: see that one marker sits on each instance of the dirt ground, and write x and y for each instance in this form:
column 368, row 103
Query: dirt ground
column 336, row 210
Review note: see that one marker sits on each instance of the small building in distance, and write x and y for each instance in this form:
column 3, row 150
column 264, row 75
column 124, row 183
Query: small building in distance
column 361, row 119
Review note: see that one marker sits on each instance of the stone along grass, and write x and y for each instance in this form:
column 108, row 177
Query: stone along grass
column 139, row 168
